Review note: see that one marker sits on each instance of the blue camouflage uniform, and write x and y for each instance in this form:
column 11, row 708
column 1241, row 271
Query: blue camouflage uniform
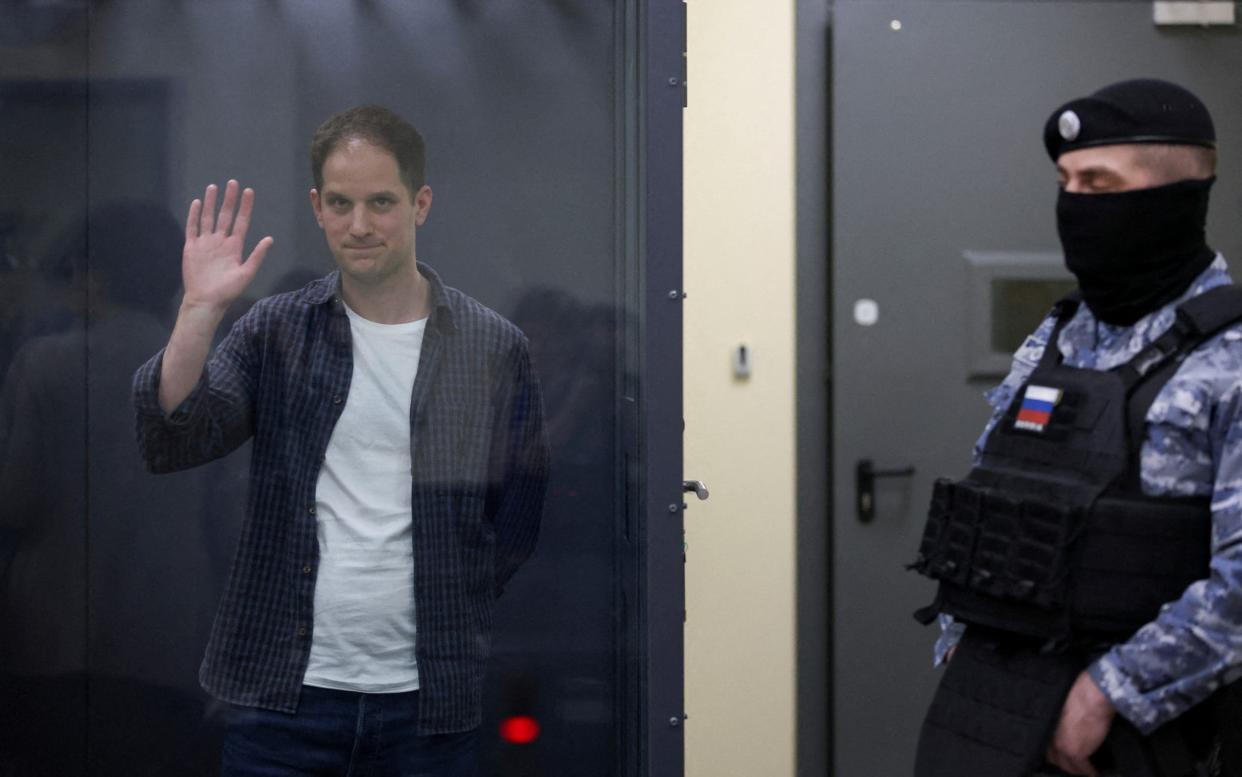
column 1193, row 448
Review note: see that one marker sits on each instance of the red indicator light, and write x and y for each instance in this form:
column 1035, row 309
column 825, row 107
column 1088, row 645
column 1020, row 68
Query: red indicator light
column 519, row 729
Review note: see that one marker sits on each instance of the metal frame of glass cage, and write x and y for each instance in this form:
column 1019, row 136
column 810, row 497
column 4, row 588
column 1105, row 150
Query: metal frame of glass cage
column 651, row 413
column 664, row 576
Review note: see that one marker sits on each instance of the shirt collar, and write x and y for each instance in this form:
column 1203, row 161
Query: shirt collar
column 327, row 289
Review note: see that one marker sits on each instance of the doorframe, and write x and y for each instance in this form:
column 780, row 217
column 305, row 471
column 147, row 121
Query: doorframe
column 813, row 123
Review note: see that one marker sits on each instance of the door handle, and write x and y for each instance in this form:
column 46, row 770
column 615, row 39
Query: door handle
column 865, row 474
column 696, row 487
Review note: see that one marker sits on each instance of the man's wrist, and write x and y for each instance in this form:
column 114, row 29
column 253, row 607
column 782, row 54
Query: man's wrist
column 1122, row 693
column 200, row 317
column 203, row 308
column 1096, row 699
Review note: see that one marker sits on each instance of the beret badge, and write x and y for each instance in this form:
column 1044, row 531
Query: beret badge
column 1069, row 125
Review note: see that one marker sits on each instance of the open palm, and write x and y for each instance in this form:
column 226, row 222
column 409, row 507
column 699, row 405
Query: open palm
column 211, row 264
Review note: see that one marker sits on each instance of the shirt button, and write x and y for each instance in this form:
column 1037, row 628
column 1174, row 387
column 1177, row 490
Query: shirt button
column 301, row 631
column 336, row 400
column 311, row 510
column 306, row 570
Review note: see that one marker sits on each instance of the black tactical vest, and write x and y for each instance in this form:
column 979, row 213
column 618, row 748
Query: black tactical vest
column 1050, row 551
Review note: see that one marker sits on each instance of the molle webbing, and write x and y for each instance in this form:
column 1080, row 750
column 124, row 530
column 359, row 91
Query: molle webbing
column 1051, row 535
column 1048, row 571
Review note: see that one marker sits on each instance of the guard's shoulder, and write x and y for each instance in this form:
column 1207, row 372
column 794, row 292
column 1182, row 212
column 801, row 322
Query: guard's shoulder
column 1224, row 345
column 1217, row 362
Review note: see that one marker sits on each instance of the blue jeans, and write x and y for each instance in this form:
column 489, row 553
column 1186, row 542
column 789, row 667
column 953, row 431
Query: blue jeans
column 344, row 734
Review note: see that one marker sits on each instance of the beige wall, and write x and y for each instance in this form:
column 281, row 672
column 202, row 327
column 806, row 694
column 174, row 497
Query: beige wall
column 739, row 274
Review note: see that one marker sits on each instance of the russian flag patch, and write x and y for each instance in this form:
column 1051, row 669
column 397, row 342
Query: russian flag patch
column 1036, row 408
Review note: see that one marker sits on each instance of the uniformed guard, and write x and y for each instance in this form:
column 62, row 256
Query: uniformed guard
column 1090, row 564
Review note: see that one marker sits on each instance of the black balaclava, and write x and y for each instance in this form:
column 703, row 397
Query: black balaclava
column 1135, row 251
column 1138, row 250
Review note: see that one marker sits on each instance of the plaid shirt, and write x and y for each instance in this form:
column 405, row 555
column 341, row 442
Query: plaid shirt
column 480, row 470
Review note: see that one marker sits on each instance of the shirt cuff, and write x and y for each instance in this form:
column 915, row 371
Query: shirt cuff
column 147, row 394
column 951, row 632
column 1124, row 694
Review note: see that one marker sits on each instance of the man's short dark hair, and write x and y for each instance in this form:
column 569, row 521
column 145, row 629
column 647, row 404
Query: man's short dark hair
column 378, row 126
column 1173, row 163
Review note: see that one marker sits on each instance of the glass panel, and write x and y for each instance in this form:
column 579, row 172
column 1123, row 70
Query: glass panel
column 43, row 549
column 1018, row 305
column 112, row 576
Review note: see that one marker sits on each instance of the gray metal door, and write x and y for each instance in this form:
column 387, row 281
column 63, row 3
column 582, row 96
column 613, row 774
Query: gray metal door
column 943, row 205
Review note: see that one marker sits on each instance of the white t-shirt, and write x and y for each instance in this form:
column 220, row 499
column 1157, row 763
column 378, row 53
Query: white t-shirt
column 364, row 632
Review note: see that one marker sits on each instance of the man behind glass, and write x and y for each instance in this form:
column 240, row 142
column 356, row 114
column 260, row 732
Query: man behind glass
column 398, row 471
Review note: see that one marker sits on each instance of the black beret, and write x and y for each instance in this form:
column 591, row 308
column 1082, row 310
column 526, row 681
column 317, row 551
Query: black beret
column 1144, row 110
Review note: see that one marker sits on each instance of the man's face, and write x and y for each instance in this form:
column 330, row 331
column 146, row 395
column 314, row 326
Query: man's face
column 1104, row 169
column 367, row 214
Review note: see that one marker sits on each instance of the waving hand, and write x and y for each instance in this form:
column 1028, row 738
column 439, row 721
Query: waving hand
column 211, row 264
column 214, row 275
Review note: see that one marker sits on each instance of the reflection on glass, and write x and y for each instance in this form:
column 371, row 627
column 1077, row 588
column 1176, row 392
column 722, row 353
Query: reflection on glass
column 1018, row 305
column 110, row 576
column 43, row 589
column 96, row 606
